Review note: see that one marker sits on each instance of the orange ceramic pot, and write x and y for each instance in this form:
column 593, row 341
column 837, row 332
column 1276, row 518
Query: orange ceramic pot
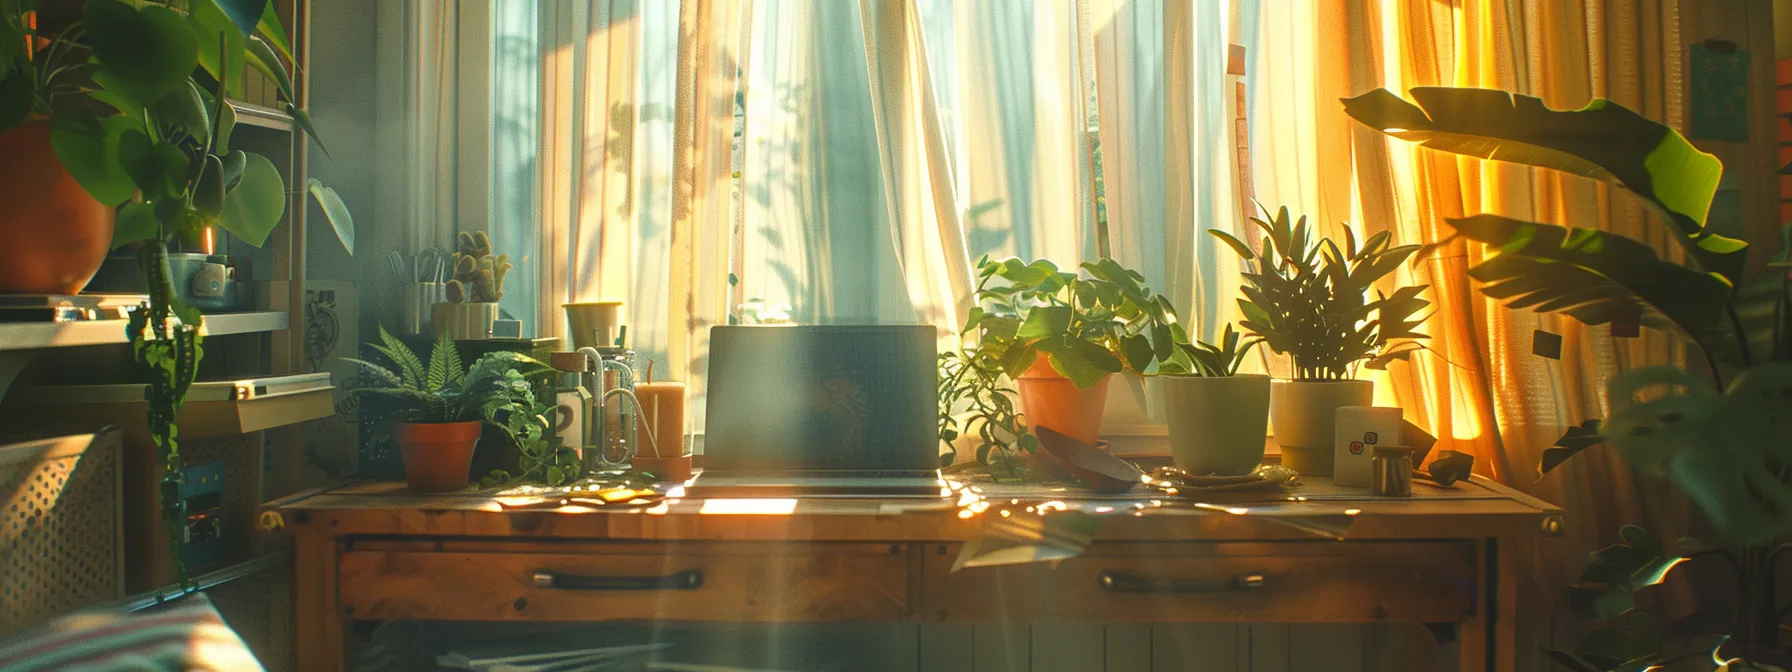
column 437, row 455
column 55, row 234
column 1051, row 400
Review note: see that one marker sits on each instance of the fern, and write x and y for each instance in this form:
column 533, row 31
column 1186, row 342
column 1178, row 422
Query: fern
column 379, row 373
column 409, row 366
column 437, row 377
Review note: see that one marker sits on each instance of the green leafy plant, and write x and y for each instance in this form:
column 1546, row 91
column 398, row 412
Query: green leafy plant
column 1726, row 451
column 1086, row 327
column 478, row 276
column 136, row 98
column 542, row 457
column 972, row 381
column 1222, row 360
column 1309, row 300
column 442, row 389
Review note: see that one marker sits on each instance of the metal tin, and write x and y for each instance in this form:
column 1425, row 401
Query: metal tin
column 1393, row 471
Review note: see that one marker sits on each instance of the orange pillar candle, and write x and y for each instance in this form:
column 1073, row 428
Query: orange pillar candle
column 662, row 411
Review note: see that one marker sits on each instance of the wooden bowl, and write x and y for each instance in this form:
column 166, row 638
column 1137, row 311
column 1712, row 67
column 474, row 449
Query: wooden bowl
column 1085, row 462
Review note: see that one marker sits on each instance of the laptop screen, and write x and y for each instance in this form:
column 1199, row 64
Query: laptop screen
column 821, row 397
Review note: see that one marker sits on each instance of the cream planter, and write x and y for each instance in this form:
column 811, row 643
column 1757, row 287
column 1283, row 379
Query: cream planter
column 465, row 321
column 1305, row 414
column 1217, row 425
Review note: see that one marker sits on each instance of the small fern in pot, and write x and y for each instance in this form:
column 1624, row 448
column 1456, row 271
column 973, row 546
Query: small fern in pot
column 444, row 405
column 1310, row 300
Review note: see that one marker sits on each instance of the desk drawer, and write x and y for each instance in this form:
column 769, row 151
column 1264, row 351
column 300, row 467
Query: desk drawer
column 1295, row 582
column 678, row 581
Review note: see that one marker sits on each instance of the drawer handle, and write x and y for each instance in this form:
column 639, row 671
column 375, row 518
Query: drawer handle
column 690, row 579
column 1125, row 582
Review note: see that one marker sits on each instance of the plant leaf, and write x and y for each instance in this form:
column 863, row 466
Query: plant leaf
column 335, row 211
column 269, row 29
column 150, row 52
column 255, row 205
column 1592, row 276
column 1577, row 438
column 136, row 221
column 91, row 156
column 245, row 14
column 220, row 43
column 16, row 98
column 1084, row 363
column 1603, row 141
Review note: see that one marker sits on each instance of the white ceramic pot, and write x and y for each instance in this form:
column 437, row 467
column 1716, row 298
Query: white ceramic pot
column 1305, row 414
column 1217, row 425
column 465, row 321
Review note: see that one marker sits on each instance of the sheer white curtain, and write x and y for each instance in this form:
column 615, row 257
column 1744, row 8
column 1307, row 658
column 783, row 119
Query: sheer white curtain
column 851, row 159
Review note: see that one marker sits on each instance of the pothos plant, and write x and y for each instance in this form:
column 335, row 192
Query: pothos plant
column 1310, row 299
column 1726, row 450
column 1086, row 326
column 136, row 97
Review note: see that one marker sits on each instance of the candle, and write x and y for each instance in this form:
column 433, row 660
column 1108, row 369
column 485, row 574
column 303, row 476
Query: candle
column 662, row 411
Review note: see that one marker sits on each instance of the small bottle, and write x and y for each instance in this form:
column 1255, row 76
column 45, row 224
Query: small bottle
column 1393, row 471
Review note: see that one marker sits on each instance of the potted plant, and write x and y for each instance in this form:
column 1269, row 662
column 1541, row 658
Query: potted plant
column 131, row 99
column 1310, row 301
column 1217, row 418
column 473, row 290
column 445, row 404
column 1059, row 335
column 1727, row 451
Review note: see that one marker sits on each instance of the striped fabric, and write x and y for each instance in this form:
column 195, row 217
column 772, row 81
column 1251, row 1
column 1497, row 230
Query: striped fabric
column 187, row 636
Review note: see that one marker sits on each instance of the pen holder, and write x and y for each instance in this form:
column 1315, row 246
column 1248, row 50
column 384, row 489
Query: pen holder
column 420, row 299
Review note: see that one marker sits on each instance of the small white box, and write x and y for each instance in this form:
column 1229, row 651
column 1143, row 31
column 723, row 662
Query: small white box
column 1358, row 430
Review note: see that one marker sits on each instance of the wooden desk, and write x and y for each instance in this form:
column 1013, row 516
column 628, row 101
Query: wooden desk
column 369, row 550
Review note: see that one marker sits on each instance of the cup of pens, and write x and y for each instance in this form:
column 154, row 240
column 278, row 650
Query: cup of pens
column 424, row 284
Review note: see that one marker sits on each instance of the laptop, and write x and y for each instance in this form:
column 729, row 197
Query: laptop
column 821, row 411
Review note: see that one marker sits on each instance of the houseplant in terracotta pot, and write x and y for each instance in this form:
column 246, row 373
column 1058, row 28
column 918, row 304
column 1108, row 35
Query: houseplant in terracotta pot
column 133, row 100
column 476, row 284
column 1217, row 417
column 1060, row 334
column 1310, row 301
column 443, row 405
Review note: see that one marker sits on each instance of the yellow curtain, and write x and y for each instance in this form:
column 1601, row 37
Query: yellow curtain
column 1483, row 391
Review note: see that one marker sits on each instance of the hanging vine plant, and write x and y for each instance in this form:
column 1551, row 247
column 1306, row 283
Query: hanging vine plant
column 136, row 96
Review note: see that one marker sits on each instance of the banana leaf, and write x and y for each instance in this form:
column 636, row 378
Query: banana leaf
column 1604, row 141
column 1594, row 277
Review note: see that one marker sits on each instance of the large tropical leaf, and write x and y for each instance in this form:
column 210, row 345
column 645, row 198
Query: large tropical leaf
column 1593, row 276
column 1604, row 141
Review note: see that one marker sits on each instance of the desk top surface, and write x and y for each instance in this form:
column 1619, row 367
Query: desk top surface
column 1318, row 509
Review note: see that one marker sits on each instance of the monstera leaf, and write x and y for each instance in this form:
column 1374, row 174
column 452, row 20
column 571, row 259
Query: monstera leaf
column 1603, row 141
column 1593, row 276
column 1721, row 449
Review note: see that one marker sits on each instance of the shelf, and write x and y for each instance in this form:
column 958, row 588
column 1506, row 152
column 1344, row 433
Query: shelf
column 213, row 408
column 37, row 335
column 261, row 117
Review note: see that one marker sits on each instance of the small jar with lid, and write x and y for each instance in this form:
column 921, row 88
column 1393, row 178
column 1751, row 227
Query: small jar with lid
column 1393, row 471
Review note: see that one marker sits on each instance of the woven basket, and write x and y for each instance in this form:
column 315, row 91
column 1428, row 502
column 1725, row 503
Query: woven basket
column 61, row 538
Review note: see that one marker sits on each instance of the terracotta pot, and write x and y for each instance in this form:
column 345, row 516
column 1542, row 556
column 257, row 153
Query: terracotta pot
column 1218, row 425
column 1304, row 415
column 437, row 455
column 55, row 235
column 1051, row 400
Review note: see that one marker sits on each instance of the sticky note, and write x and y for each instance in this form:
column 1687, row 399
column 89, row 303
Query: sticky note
column 1546, row 344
